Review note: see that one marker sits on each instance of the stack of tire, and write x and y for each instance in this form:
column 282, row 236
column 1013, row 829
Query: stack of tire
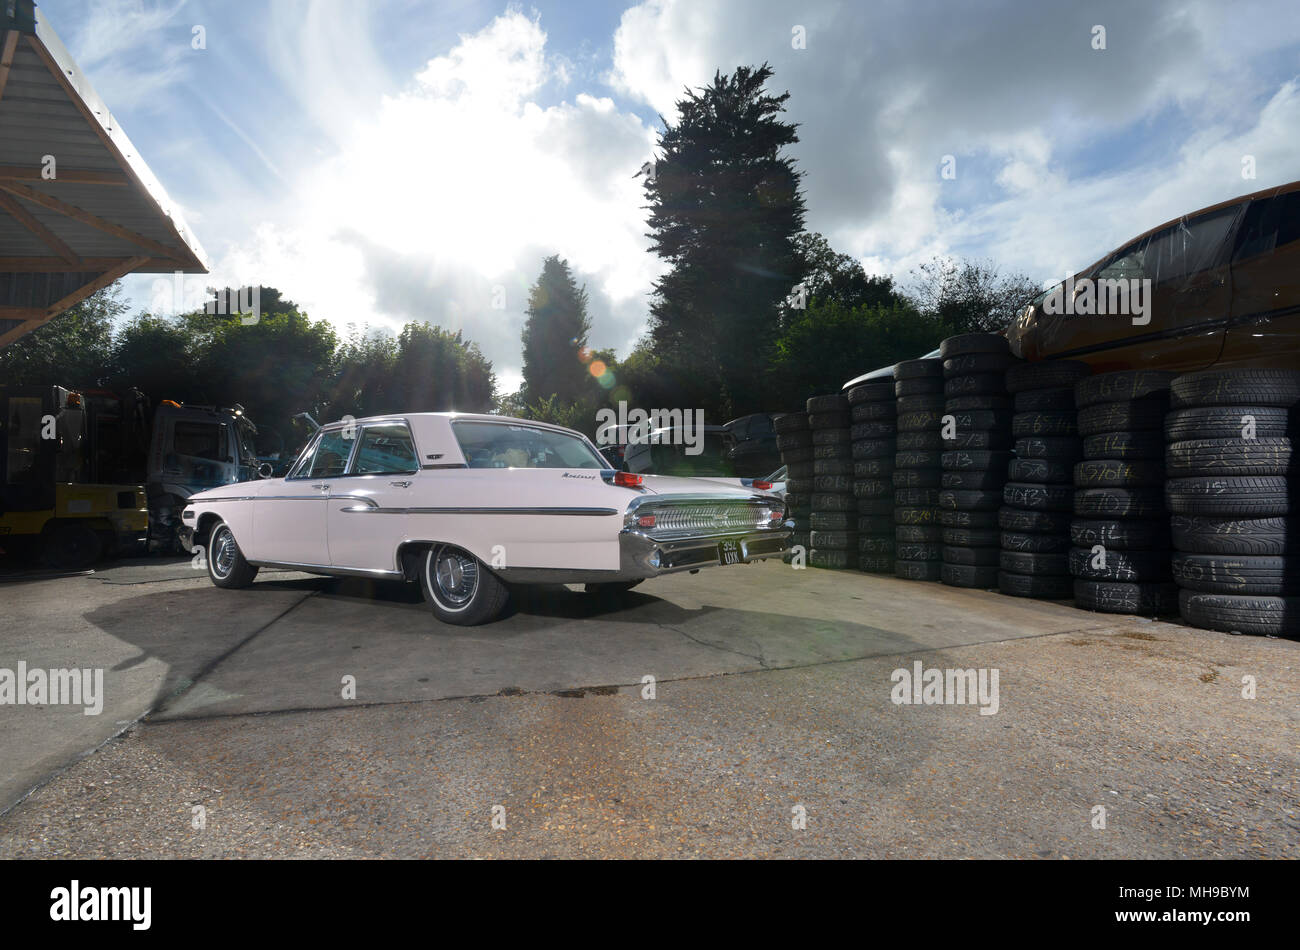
column 918, row 541
column 834, row 516
column 1120, row 532
column 974, row 459
column 794, row 442
column 1034, row 521
column 873, row 430
column 1232, row 495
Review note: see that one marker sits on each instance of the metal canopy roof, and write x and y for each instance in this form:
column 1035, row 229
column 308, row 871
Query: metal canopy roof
column 95, row 213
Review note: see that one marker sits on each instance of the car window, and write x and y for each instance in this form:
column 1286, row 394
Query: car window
column 385, row 450
column 506, row 445
column 300, row 468
column 1190, row 246
column 1127, row 264
column 332, row 453
column 1270, row 223
column 711, row 459
column 200, row 440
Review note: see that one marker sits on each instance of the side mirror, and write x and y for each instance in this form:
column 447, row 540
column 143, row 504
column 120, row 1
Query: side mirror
column 264, row 470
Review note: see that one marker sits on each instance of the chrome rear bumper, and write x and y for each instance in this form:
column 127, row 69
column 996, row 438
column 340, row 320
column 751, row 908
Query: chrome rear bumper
column 641, row 555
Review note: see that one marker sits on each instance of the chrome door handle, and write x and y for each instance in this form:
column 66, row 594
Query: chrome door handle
column 323, row 486
column 400, row 484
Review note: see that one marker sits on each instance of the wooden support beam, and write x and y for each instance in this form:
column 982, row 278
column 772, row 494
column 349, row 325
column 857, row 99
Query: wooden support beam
column 21, row 313
column 66, row 176
column 8, row 46
column 53, row 265
column 39, row 316
column 27, row 220
column 51, row 203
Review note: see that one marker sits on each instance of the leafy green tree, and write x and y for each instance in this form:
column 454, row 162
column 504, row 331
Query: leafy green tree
column 75, row 349
column 364, row 371
column 725, row 208
column 157, row 356
column 274, row 368
column 827, row 275
column 828, row 344
column 437, row 370
column 554, row 335
column 970, row 296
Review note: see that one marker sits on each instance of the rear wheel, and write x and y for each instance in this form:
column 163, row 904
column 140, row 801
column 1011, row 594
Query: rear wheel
column 70, row 547
column 226, row 565
column 459, row 589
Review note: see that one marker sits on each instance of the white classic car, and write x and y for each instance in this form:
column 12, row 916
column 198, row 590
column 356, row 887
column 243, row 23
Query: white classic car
column 467, row 504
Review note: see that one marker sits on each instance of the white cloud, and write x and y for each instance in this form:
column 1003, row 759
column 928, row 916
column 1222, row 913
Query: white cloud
column 1015, row 93
column 419, row 195
column 125, row 45
column 447, row 196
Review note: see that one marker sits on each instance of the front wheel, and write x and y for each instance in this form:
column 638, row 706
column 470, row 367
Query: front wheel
column 459, row 589
column 226, row 565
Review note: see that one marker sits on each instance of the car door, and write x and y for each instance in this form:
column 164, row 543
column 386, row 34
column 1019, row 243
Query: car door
column 367, row 505
column 290, row 518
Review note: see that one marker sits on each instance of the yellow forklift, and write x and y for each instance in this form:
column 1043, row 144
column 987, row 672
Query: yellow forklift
column 60, row 504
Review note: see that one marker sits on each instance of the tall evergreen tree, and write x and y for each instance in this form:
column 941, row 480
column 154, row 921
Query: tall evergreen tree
column 725, row 207
column 556, row 329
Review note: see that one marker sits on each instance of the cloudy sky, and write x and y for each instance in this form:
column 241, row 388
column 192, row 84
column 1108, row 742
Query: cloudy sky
column 394, row 160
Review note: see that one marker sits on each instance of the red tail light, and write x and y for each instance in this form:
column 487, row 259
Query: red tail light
column 760, row 484
column 628, row 480
column 645, row 521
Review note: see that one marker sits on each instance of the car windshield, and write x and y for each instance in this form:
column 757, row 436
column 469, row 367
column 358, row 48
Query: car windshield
column 507, row 445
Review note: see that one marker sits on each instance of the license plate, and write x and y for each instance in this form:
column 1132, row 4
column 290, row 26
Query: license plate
column 729, row 552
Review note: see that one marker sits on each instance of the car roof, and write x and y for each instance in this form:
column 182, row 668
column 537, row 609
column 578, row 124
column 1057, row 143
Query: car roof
column 452, row 416
column 1242, row 199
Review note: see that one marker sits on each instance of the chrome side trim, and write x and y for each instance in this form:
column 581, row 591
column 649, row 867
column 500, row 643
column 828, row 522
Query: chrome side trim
column 555, row 575
column 581, row 512
column 330, row 569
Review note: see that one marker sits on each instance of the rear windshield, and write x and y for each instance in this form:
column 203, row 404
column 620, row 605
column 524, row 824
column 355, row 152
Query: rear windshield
column 504, row 445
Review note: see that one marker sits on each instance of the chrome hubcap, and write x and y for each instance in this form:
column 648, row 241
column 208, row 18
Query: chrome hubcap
column 454, row 576
column 223, row 552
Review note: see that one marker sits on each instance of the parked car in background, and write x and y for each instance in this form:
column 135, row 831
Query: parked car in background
column 669, row 451
column 1225, row 291
column 884, row 371
column 466, row 505
column 672, row 450
column 753, row 450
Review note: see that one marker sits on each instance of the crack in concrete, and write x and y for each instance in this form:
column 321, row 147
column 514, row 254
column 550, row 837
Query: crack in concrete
column 759, row 659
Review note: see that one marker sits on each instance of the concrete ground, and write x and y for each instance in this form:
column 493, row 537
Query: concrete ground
column 771, row 708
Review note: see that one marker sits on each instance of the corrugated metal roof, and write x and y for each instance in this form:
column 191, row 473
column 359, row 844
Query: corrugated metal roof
column 101, row 215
